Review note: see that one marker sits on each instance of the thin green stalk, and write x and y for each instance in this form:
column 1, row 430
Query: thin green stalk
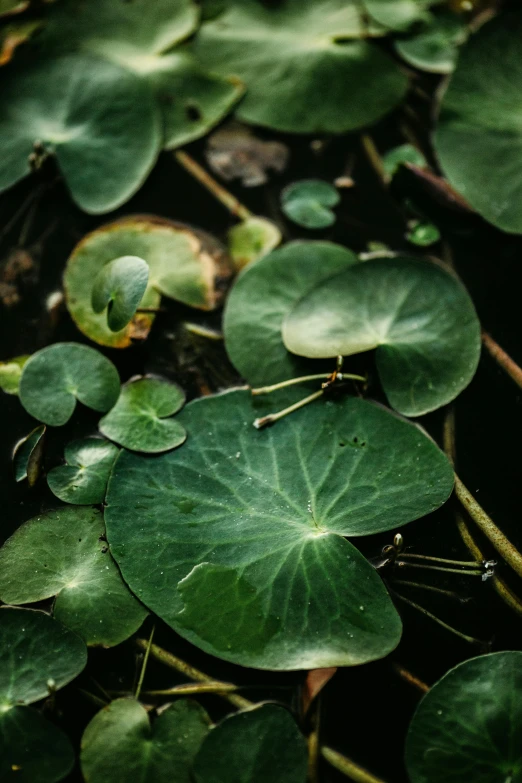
column 429, row 588
column 467, row 563
column 469, row 639
column 273, row 417
column 502, row 358
column 94, row 699
column 229, row 201
column 347, row 767
column 194, row 688
column 374, row 158
column 341, row 376
column 144, row 664
column 462, row 572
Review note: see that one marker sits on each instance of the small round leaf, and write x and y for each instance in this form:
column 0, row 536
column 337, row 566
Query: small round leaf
column 251, row 239
column 32, row 749
column 10, row 372
column 435, row 46
column 83, row 480
column 308, row 203
column 119, row 287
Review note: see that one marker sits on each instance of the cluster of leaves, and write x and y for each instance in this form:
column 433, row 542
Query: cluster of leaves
column 241, row 538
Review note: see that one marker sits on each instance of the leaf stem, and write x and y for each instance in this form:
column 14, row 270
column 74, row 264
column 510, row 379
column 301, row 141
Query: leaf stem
column 462, row 572
column 347, row 767
column 273, row 417
column 411, row 678
column 194, row 688
column 374, row 158
column 144, row 664
column 430, row 588
column 469, row 564
column 469, row 639
column 304, row 379
column 229, row 201
column 502, row 358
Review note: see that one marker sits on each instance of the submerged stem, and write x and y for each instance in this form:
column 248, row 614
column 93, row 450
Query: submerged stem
column 194, row 688
column 468, row 572
column 374, row 158
column 320, row 376
column 430, row 588
column 229, row 201
column 347, row 767
column 411, row 678
column 502, row 358
column 467, row 563
column 469, row 639
column 144, row 664
column 273, row 417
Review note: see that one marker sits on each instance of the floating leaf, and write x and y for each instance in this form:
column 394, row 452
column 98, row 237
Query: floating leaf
column 418, row 316
column 63, row 553
column 32, row 750
column 252, row 239
column 8, row 7
column 37, row 655
column 98, row 119
column 55, row 377
column 307, row 78
column 10, row 372
column 468, row 726
column 245, row 554
column 398, row 14
column 262, row 296
column 27, row 456
column 140, row 38
column 120, row 743
column 308, row 203
column 434, row 47
column 422, row 234
column 398, row 156
column 83, row 480
column 262, row 745
column 186, row 265
column 119, row 287
column 139, row 420
column 479, row 137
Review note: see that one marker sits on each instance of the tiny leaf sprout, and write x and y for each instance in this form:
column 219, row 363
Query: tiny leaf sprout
column 119, row 287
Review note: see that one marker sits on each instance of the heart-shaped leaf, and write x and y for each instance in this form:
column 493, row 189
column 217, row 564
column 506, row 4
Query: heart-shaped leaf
column 468, row 726
column 435, row 46
column 63, row 553
column 55, row 377
column 262, row 745
column 185, row 265
column 99, row 120
column 10, row 372
column 398, row 14
column 119, row 288
column 121, row 744
column 262, row 296
column 297, row 80
column 27, row 456
column 37, row 655
column 83, row 480
column 418, row 316
column 308, row 203
column 251, row 239
column 139, row 420
column 32, row 750
column 246, row 555
column 479, row 136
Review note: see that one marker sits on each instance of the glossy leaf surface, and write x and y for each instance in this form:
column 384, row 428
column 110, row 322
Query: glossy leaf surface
column 83, row 480
column 119, row 288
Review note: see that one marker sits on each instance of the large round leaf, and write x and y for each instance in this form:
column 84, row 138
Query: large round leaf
column 100, row 120
column 236, row 539
column 262, row 296
column 183, row 264
column 301, row 73
column 468, row 727
column 121, row 744
column 83, row 480
column 37, row 655
column 479, row 136
column 258, row 746
column 55, row 377
column 63, row 554
column 418, row 316
column 32, row 750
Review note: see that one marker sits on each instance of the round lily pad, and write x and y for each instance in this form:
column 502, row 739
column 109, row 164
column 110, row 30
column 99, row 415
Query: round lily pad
column 435, row 46
column 184, row 264
column 417, row 315
column 139, row 420
column 308, row 203
column 121, row 743
column 99, row 120
column 251, row 239
column 27, row 456
column 469, row 724
column 10, row 372
column 32, row 749
column 55, row 377
column 118, row 288
column 245, row 528
column 83, row 480
column 479, row 136
column 63, row 553
column 37, row 655
column 261, row 297
column 398, row 14
column 301, row 72
column 262, row 745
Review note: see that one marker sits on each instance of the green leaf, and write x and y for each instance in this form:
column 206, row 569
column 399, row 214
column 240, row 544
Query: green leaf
column 308, row 203
column 405, row 153
column 10, row 372
column 98, row 119
column 422, row 234
column 468, row 726
column 246, row 555
column 479, row 135
column 262, row 745
column 185, row 265
column 252, row 239
column 27, row 456
column 37, row 654
column 417, row 315
column 119, row 288
column 32, row 750
column 120, row 743
column 55, row 377
column 83, row 480
column 139, row 420
column 63, row 553
column 298, row 66
column 434, row 47
column 398, row 14
column 261, row 297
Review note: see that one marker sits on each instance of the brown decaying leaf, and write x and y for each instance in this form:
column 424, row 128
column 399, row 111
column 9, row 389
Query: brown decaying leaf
column 316, row 679
column 234, row 152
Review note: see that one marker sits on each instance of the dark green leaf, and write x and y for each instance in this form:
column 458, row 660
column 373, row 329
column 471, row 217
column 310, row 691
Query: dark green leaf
column 435, row 46
column 83, row 480
column 27, row 456
column 32, row 750
column 308, row 203
column 119, row 288
column 406, row 153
